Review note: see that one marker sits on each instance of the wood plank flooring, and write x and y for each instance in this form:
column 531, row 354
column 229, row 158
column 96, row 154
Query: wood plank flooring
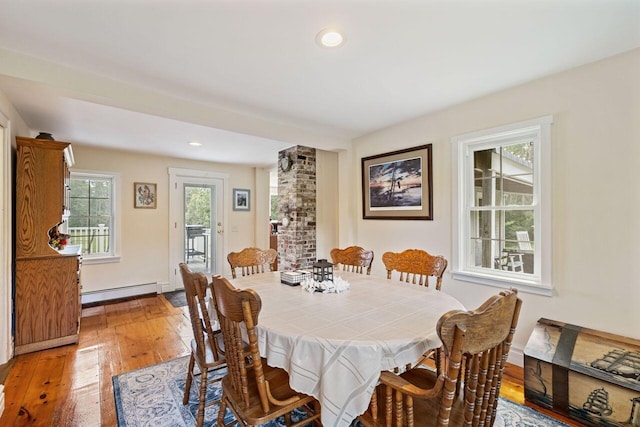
column 71, row 385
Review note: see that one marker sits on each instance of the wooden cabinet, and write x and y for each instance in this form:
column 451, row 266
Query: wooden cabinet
column 47, row 294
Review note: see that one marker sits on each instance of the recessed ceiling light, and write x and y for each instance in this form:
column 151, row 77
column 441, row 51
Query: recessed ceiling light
column 195, row 143
column 329, row 38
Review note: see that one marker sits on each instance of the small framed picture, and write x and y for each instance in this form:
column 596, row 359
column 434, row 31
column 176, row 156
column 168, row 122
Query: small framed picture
column 241, row 199
column 144, row 195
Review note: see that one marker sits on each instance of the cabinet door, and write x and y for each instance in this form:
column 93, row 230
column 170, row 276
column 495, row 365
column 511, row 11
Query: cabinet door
column 47, row 303
column 39, row 198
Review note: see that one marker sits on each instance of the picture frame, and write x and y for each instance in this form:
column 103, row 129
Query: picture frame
column 241, row 199
column 398, row 185
column 145, row 195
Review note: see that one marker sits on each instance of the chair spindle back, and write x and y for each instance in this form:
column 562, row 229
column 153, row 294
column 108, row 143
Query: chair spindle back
column 415, row 266
column 252, row 261
column 353, row 258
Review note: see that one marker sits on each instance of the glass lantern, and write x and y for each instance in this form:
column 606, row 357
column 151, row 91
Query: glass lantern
column 322, row 271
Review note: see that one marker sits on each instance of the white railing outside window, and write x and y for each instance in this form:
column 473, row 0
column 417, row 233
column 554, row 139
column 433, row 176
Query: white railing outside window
column 94, row 240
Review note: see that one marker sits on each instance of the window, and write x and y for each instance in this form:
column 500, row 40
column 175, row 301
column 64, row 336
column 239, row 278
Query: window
column 502, row 230
column 92, row 216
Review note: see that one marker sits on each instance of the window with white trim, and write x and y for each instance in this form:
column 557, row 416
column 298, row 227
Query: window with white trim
column 92, row 219
column 502, row 229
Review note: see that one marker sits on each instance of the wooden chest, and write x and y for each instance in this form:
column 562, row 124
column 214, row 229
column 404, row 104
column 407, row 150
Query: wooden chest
column 590, row 376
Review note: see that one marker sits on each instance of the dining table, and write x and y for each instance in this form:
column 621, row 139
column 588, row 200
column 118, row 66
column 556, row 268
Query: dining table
column 334, row 345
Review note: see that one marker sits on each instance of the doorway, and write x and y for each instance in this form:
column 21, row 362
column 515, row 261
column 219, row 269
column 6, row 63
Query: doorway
column 6, row 283
column 196, row 223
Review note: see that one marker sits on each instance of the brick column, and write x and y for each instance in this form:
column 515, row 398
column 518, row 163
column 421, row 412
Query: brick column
column 297, row 201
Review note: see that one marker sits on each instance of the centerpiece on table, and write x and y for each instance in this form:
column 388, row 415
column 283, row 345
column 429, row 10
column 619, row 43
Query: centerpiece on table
column 323, row 280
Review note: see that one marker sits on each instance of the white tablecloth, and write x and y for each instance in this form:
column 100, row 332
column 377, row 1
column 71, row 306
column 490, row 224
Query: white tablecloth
column 334, row 345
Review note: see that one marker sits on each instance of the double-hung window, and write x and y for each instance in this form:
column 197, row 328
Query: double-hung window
column 502, row 229
column 92, row 219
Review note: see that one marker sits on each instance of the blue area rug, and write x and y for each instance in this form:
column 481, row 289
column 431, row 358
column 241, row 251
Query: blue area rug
column 152, row 396
column 516, row 415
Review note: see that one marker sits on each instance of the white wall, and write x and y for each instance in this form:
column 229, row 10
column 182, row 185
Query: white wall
column 596, row 192
column 144, row 247
column 326, row 203
column 262, row 207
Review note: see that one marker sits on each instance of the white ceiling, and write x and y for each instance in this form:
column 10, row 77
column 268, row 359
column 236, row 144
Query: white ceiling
column 245, row 77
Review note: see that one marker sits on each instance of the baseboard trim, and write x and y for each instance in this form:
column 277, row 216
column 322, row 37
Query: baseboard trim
column 119, row 300
column 119, row 293
column 516, row 356
column 44, row 345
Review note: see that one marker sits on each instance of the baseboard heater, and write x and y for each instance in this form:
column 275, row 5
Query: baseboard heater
column 118, row 293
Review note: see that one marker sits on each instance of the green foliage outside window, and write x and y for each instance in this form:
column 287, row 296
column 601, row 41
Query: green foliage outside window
column 90, row 202
column 90, row 222
column 517, row 221
column 197, row 202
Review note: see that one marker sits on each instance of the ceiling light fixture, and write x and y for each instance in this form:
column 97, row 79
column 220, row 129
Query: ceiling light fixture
column 195, row 143
column 329, row 38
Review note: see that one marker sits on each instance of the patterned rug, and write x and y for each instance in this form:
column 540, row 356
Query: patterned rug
column 152, row 396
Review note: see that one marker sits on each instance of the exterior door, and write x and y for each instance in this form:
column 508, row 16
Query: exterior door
column 196, row 225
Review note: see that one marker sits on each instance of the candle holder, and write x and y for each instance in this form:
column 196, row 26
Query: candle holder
column 322, row 271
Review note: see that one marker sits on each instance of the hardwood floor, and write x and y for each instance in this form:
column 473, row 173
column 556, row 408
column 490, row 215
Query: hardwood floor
column 71, row 385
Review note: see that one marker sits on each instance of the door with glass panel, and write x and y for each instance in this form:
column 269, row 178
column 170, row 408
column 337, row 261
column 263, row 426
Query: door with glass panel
column 196, row 237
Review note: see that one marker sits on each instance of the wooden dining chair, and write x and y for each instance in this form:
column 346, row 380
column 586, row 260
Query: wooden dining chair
column 476, row 347
column 415, row 266
column 353, row 258
column 254, row 391
column 206, row 350
column 252, row 261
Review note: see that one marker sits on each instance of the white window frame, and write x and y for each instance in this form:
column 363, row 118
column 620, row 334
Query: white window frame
column 463, row 147
column 114, row 244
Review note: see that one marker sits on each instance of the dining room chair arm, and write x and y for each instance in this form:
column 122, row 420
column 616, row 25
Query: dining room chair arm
column 277, row 402
column 431, row 353
column 405, row 387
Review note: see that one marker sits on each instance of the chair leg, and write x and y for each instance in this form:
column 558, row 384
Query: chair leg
column 221, row 411
column 316, row 410
column 373, row 406
column 187, row 387
column 202, row 397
